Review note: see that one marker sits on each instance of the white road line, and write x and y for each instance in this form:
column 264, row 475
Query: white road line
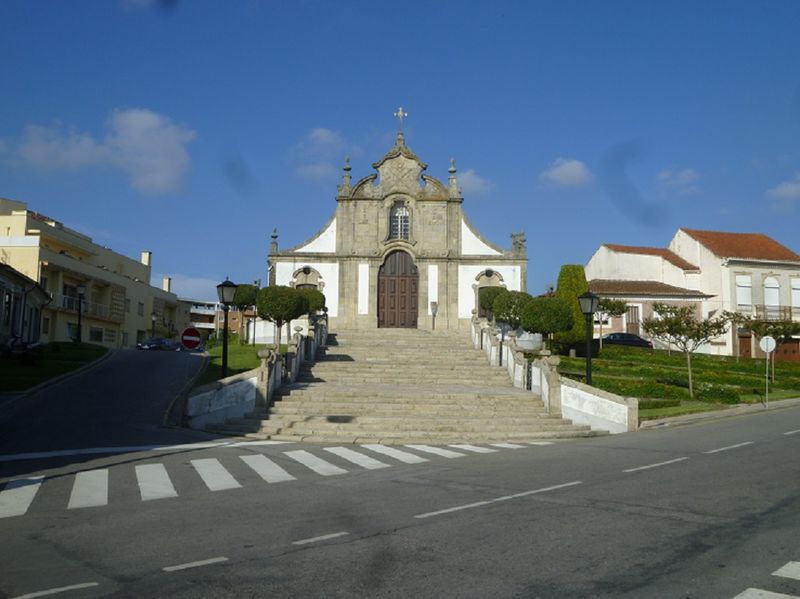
column 90, row 489
column 316, row 464
column 205, row 562
column 397, row 454
column 55, row 591
column 357, row 458
column 790, row 570
column 507, row 445
column 445, row 453
column 333, row 535
column 761, row 594
column 214, row 475
column 266, row 468
column 655, row 465
column 541, row 443
column 133, row 449
column 16, row 497
column 729, row 447
column 154, row 482
column 792, row 432
column 497, row 500
column 473, row 448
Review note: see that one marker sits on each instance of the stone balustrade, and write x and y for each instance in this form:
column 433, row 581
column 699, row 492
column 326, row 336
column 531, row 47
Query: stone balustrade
column 239, row 394
column 581, row 403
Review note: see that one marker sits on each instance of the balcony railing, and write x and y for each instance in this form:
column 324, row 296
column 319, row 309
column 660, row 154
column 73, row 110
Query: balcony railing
column 69, row 303
column 765, row 312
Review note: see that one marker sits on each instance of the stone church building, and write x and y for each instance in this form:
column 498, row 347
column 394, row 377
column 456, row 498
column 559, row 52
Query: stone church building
column 399, row 250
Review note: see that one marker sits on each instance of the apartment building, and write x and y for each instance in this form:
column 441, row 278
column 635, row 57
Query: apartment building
column 118, row 305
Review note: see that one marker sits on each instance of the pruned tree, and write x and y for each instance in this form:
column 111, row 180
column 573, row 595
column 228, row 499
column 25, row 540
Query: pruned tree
column 486, row 297
column 280, row 305
column 508, row 307
column 244, row 298
column 677, row 325
column 571, row 284
column 315, row 299
column 546, row 315
column 609, row 308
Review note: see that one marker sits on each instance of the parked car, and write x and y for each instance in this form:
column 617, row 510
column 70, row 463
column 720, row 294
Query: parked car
column 626, row 339
column 156, row 343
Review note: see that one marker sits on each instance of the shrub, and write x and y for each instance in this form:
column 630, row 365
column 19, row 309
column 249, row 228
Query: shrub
column 712, row 393
column 652, row 404
column 571, row 284
column 486, row 297
column 508, row 307
column 546, row 315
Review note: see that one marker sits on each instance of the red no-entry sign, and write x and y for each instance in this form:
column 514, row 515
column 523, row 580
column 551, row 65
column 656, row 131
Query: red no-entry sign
column 190, row 338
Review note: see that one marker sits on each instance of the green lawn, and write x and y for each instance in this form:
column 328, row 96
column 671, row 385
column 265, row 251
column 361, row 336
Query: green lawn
column 241, row 358
column 18, row 373
column 718, row 380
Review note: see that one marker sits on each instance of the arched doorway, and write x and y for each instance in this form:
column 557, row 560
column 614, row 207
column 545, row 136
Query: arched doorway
column 398, row 284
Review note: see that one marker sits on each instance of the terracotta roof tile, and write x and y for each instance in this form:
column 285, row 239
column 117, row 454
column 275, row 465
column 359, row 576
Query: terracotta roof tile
column 743, row 245
column 646, row 288
column 669, row 256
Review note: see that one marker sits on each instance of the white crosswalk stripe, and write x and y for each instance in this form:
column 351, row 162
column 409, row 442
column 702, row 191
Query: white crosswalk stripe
column 790, row 570
column 90, row 489
column 318, row 465
column 357, row 458
column 16, row 497
column 397, row 454
column 762, row 594
column 266, row 468
column 154, row 482
column 214, row 474
column 473, row 448
column 440, row 451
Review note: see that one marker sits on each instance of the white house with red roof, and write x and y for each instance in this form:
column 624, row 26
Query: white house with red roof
column 746, row 272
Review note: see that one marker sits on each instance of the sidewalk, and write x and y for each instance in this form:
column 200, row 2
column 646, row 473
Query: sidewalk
column 716, row 414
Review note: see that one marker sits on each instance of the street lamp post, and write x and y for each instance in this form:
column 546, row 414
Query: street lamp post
column 589, row 303
column 225, row 292
column 81, row 292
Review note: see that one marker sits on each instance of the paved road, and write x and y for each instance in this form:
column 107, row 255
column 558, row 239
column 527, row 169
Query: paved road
column 121, row 401
column 704, row 511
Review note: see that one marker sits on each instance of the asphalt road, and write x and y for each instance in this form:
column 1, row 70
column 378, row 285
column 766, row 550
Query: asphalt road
column 121, row 401
column 703, row 511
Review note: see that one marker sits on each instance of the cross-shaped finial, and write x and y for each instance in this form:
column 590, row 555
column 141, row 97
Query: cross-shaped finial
column 400, row 116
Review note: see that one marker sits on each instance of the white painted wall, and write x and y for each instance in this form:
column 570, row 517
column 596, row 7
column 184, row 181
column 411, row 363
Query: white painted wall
column 329, row 273
column 433, row 285
column 472, row 246
column 512, row 276
column 363, row 288
column 325, row 243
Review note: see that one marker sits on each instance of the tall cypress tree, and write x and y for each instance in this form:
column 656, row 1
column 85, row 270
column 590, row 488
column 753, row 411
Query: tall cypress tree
column 571, row 284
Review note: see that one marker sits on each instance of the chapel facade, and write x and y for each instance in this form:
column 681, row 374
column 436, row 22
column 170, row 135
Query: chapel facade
column 399, row 251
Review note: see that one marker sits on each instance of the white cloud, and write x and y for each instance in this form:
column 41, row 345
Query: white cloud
column 320, row 154
column 566, row 172
column 147, row 146
column 681, row 181
column 471, row 182
column 788, row 190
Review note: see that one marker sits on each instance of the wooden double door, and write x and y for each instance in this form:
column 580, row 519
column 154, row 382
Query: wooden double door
column 398, row 292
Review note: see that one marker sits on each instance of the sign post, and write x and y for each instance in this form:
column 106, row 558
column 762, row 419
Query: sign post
column 190, row 338
column 767, row 345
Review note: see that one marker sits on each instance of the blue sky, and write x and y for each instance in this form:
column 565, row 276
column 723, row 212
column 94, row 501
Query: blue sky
column 192, row 128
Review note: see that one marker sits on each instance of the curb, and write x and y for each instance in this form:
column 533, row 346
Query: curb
column 174, row 418
column 17, row 395
column 718, row 414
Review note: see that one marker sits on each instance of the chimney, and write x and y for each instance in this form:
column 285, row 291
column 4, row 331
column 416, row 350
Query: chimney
column 146, row 256
column 166, row 284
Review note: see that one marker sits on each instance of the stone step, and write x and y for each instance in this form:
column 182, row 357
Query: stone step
column 415, row 423
column 320, row 393
column 390, row 409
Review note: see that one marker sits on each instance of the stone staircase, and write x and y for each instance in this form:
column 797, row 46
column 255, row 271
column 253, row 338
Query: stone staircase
column 402, row 386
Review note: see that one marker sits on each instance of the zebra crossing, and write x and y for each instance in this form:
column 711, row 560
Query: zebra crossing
column 90, row 488
column 790, row 571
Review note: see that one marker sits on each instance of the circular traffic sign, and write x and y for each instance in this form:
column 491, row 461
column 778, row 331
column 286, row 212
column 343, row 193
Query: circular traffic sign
column 767, row 344
column 190, row 338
